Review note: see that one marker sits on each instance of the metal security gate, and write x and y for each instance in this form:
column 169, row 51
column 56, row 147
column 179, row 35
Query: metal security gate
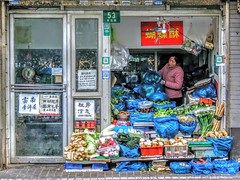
column 234, row 75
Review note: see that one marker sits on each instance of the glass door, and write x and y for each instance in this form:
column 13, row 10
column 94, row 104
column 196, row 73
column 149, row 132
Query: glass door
column 38, row 88
column 86, row 69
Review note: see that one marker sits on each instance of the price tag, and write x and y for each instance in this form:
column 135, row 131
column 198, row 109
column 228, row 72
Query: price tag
column 111, row 16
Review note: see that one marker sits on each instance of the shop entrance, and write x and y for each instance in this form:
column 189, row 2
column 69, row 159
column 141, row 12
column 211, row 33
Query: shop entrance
column 148, row 43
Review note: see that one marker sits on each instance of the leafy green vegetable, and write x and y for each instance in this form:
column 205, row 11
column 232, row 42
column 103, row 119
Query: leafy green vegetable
column 92, row 148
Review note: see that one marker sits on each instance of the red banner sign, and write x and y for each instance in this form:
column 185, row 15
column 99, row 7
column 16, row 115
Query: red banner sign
column 152, row 35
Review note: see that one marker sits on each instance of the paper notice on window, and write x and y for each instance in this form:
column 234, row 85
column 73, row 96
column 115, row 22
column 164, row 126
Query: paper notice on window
column 50, row 105
column 28, row 104
column 84, row 109
column 87, row 79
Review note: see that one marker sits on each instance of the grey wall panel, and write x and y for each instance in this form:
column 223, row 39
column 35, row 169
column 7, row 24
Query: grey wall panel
column 235, row 153
column 234, row 65
column 235, row 43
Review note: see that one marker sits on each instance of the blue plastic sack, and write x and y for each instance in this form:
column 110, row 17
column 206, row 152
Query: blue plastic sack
column 167, row 126
column 140, row 117
column 180, row 167
column 151, row 76
column 202, row 168
column 206, row 91
column 120, row 106
column 129, row 153
column 225, row 167
column 130, row 166
column 132, row 103
column 146, row 90
column 165, row 106
column 158, row 96
column 187, row 128
column 221, row 146
column 117, row 91
column 124, row 128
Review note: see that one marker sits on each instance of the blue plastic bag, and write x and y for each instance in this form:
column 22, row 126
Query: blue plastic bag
column 124, row 128
column 187, row 128
column 222, row 146
column 202, row 168
column 130, row 166
column 225, row 167
column 151, row 76
column 117, row 91
column 167, row 126
column 141, row 117
column 132, row 103
column 158, row 96
column 146, row 90
column 120, row 106
column 129, row 153
column 206, row 91
column 180, row 167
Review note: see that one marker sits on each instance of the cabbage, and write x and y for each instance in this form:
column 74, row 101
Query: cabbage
column 92, row 148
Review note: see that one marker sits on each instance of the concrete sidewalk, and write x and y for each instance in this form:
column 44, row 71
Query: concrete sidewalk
column 56, row 171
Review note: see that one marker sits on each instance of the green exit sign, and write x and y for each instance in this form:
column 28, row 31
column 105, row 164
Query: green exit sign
column 111, row 16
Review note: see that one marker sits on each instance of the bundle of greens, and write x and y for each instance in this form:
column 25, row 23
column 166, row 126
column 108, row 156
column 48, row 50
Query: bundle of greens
column 126, row 140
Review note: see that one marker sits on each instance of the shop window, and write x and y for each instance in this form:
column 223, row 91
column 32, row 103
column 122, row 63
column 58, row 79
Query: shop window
column 38, row 51
column 38, row 124
column 87, row 115
column 86, row 40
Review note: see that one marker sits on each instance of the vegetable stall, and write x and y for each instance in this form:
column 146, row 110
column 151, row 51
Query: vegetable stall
column 150, row 133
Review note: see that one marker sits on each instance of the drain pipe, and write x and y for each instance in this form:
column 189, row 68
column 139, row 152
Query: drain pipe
column 3, row 86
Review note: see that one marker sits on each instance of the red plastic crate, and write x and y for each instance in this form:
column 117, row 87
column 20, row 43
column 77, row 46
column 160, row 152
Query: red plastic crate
column 151, row 151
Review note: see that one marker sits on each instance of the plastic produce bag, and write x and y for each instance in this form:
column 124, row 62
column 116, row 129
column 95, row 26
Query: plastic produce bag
column 146, row 90
column 187, row 124
column 117, row 91
column 201, row 168
column 122, row 128
column 192, row 47
column 158, row 96
column 166, row 127
column 129, row 153
column 206, row 91
column 225, row 167
column 222, row 146
column 132, row 103
column 140, row 117
column 130, row 166
column 119, row 56
column 151, row 76
column 119, row 106
column 180, row 167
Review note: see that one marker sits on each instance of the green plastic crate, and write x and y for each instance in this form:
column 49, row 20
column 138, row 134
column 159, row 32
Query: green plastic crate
column 200, row 144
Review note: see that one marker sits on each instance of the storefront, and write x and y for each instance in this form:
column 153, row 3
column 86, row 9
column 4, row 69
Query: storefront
column 58, row 65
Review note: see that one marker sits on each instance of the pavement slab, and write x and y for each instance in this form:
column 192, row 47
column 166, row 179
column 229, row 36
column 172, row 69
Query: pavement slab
column 57, row 172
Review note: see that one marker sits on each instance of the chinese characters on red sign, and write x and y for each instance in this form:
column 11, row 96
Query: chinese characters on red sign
column 173, row 36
